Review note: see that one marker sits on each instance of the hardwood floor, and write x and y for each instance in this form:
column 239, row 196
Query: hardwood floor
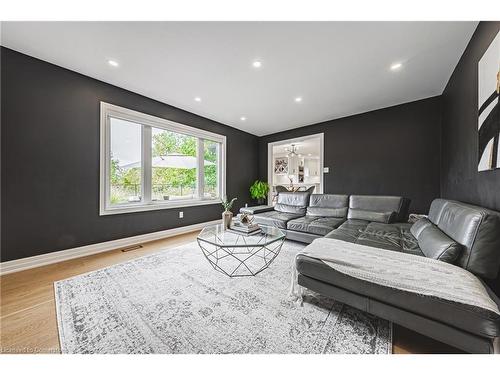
column 28, row 318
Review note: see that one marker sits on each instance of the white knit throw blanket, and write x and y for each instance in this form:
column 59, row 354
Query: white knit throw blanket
column 411, row 273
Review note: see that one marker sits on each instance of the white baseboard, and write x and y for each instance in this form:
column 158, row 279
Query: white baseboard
column 77, row 252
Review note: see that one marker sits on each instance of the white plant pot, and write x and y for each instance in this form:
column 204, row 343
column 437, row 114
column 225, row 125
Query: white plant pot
column 227, row 217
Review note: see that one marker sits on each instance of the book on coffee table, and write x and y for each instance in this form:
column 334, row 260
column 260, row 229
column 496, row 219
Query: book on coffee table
column 244, row 229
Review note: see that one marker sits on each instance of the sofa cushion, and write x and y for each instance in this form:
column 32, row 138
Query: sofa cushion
column 381, row 203
column 436, row 210
column 300, row 199
column 396, row 237
column 325, row 225
column 293, row 203
column 256, row 209
column 468, row 318
column 328, row 205
column 327, row 212
column 419, row 226
column 380, row 217
column 287, row 208
column 301, row 224
column 437, row 245
column 349, row 230
column 315, row 225
column 474, row 227
column 274, row 218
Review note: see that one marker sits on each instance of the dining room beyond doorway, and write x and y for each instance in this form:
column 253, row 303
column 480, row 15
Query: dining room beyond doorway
column 296, row 165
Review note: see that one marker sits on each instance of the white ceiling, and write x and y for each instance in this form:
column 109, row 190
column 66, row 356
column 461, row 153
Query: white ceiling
column 338, row 68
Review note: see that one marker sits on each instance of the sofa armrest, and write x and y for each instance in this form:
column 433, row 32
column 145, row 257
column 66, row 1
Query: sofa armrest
column 256, row 209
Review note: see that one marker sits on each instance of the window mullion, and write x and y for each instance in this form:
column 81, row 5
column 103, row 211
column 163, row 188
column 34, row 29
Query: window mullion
column 219, row 170
column 200, row 180
column 107, row 166
column 221, row 176
column 146, row 164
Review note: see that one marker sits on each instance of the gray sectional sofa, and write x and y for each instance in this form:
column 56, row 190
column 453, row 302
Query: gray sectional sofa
column 454, row 232
column 305, row 217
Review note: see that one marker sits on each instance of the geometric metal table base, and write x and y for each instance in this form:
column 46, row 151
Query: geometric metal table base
column 243, row 256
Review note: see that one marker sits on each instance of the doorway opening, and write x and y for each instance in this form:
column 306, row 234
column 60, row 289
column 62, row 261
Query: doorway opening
column 295, row 164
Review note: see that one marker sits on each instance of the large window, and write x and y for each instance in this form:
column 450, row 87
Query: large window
column 149, row 163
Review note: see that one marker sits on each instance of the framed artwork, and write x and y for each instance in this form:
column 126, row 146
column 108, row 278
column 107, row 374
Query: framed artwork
column 281, row 165
column 489, row 107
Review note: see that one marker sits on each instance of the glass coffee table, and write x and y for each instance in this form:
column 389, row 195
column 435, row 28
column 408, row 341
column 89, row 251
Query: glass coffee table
column 236, row 254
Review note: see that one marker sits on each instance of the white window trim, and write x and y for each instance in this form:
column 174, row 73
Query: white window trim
column 110, row 110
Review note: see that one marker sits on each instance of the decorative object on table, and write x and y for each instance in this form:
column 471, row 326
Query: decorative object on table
column 259, row 191
column 245, row 218
column 227, row 215
column 413, row 218
column 246, row 229
column 244, row 224
column 489, row 107
column 291, row 188
column 281, row 165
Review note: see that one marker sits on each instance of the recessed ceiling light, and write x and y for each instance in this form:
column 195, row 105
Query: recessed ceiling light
column 197, row 99
column 257, row 64
column 309, row 154
column 298, row 99
column 396, row 66
column 113, row 63
column 243, row 118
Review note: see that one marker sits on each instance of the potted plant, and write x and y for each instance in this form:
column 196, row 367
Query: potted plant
column 259, row 191
column 227, row 215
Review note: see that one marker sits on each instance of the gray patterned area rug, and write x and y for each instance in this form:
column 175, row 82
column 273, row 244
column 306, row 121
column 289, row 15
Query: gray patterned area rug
column 175, row 302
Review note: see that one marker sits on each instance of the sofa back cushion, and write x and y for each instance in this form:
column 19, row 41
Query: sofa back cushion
column 437, row 245
column 378, row 217
column 419, row 226
column 328, row 205
column 380, row 208
column 476, row 228
column 292, row 203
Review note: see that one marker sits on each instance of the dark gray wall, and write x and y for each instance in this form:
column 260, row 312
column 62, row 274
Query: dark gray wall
column 391, row 151
column 50, row 160
column 459, row 176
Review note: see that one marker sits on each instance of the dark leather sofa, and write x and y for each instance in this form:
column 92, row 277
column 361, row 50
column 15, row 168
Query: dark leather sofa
column 305, row 217
column 465, row 235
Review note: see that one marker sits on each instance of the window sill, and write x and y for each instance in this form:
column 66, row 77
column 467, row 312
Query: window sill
column 129, row 208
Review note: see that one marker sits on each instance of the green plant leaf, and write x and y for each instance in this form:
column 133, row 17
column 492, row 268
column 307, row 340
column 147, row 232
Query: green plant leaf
column 227, row 205
column 259, row 189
